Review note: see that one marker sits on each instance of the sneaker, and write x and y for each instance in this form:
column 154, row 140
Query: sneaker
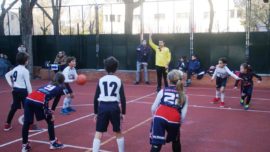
column 215, row 100
column 241, row 102
column 70, row 109
column 35, row 128
column 56, row 145
column 64, row 111
column 7, row 127
column 222, row 105
column 246, row 107
column 26, row 147
column 136, row 83
column 147, row 82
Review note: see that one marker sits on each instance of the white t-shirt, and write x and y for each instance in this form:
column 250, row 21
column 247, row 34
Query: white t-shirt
column 70, row 74
column 19, row 77
column 223, row 72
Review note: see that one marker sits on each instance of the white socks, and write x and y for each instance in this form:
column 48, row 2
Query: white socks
column 96, row 145
column 217, row 94
column 121, row 144
column 222, row 96
column 66, row 102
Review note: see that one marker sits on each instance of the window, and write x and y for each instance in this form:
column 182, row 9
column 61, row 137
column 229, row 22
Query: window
column 231, row 13
column 159, row 16
column 12, row 17
column 118, row 18
column 206, row 15
column 136, row 17
column 181, row 15
column 239, row 13
column 112, row 18
column 106, row 18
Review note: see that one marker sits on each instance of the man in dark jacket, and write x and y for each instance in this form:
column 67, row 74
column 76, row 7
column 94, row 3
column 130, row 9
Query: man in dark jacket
column 143, row 58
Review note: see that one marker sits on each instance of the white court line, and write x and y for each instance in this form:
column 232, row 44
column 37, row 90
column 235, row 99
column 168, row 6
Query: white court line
column 69, row 122
column 66, row 145
column 213, row 88
column 217, row 108
column 201, row 95
column 60, row 125
column 229, row 109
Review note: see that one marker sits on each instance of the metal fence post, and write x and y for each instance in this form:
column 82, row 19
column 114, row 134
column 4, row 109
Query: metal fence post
column 191, row 26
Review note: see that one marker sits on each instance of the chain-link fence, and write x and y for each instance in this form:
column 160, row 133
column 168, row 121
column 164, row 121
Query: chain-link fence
column 170, row 16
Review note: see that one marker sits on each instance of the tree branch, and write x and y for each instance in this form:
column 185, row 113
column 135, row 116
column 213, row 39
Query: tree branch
column 3, row 5
column 33, row 3
column 44, row 11
column 11, row 5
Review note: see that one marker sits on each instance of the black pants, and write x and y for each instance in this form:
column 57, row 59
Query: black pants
column 32, row 109
column 246, row 93
column 18, row 96
column 161, row 71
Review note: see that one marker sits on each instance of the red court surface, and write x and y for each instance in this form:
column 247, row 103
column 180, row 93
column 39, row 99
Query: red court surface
column 207, row 128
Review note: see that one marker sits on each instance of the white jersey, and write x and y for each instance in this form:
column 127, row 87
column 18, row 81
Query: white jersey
column 70, row 74
column 109, row 86
column 223, row 72
column 19, row 77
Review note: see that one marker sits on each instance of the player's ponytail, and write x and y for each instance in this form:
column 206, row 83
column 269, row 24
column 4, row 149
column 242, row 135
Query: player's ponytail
column 180, row 89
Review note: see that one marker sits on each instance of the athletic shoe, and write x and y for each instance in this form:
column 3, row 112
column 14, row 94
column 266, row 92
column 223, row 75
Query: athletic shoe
column 136, row 83
column 64, row 111
column 26, row 147
column 222, row 105
column 246, row 107
column 147, row 82
column 7, row 127
column 56, row 145
column 35, row 128
column 70, row 109
column 241, row 102
column 215, row 100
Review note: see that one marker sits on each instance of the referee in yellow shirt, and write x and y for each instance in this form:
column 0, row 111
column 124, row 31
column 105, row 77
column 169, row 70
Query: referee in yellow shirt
column 163, row 58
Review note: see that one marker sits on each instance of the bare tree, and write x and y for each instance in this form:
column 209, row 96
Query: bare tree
column 3, row 14
column 130, row 5
column 260, row 14
column 211, row 20
column 27, row 28
column 56, row 9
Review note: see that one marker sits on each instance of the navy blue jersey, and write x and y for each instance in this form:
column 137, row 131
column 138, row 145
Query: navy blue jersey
column 46, row 93
column 247, row 79
column 170, row 98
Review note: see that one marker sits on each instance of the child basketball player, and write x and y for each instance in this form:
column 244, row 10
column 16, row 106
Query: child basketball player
column 37, row 103
column 70, row 76
column 221, row 75
column 169, row 108
column 109, row 93
column 19, row 80
column 246, row 84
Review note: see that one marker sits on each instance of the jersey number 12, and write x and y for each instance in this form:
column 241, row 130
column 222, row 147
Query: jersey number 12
column 112, row 85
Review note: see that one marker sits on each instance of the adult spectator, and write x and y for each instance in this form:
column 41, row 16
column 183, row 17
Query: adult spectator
column 163, row 59
column 21, row 48
column 143, row 58
column 60, row 59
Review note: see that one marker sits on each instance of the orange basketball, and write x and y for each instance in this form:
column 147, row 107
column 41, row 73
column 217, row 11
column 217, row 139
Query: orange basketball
column 81, row 79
